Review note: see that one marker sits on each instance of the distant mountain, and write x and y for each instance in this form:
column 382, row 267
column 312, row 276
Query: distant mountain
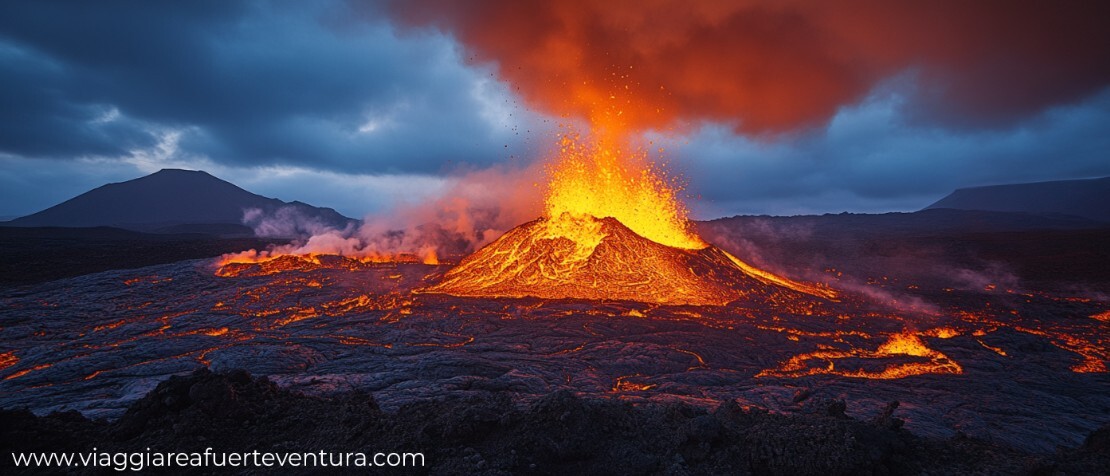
column 924, row 222
column 174, row 201
column 1088, row 198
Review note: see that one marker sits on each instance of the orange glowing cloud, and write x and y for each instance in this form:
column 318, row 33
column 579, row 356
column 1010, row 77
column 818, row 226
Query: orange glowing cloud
column 775, row 66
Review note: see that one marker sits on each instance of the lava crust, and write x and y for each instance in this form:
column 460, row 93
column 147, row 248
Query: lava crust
column 1021, row 369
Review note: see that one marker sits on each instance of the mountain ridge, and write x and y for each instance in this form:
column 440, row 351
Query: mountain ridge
column 1086, row 198
column 170, row 199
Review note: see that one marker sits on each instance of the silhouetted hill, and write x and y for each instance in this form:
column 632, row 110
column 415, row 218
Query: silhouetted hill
column 928, row 221
column 1050, row 250
column 172, row 200
column 1088, row 198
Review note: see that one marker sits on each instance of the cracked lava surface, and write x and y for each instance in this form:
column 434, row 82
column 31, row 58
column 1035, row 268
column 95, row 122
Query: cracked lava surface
column 1024, row 369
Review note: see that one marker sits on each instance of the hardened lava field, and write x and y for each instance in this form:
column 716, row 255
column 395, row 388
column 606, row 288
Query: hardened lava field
column 1026, row 369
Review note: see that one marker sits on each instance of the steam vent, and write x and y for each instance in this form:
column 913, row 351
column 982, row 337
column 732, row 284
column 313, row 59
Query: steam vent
column 583, row 257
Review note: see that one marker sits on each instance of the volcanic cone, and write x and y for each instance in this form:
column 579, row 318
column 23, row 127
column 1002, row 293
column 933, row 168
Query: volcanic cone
column 583, row 257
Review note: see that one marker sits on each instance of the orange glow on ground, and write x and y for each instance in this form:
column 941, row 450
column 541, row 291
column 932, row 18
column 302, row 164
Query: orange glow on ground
column 8, row 359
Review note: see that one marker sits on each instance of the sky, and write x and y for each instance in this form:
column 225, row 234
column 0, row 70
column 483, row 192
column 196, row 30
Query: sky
column 785, row 107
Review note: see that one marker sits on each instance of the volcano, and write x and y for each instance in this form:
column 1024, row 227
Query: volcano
column 583, row 257
column 613, row 228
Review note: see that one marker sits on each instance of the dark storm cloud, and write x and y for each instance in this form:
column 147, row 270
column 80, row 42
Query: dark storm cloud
column 252, row 83
column 40, row 117
column 876, row 157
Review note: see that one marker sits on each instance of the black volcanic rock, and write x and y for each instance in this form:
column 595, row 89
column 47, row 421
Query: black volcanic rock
column 1082, row 198
column 489, row 434
column 170, row 199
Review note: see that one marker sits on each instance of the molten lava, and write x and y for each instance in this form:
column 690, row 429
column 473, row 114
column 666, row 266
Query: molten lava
column 920, row 359
column 255, row 263
column 600, row 180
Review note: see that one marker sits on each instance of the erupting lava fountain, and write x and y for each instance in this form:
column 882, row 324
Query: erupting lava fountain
column 613, row 228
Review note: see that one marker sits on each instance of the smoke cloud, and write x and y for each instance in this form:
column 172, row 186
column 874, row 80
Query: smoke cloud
column 781, row 65
column 476, row 208
column 285, row 222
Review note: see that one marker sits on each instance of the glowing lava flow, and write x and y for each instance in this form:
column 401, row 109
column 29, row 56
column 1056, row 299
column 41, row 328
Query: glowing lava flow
column 261, row 263
column 904, row 344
